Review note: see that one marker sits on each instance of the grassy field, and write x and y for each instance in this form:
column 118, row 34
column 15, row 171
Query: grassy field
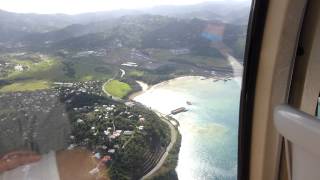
column 47, row 69
column 44, row 65
column 25, row 86
column 117, row 88
column 54, row 69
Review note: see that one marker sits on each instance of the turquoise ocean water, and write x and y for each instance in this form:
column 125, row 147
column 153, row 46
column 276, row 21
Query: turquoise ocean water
column 209, row 129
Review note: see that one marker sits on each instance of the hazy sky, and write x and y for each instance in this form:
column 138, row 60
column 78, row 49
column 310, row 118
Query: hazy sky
column 80, row 6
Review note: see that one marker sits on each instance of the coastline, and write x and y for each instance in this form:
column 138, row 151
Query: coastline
column 144, row 86
column 135, row 94
column 166, row 170
column 174, row 132
column 172, row 151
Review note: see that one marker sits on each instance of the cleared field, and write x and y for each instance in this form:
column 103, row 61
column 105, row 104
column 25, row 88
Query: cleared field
column 41, row 66
column 117, row 88
column 25, row 86
column 136, row 73
column 54, row 69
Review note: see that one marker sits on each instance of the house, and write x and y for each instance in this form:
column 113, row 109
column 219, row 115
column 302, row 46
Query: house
column 105, row 159
column 71, row 146
column 111, row 151
column 19, row 67
column 106, row 133
column 129, row 103
column 97, row 155
column 128, row 133
column 79, row 121
column 112, row 136
column 142, row 120
column 119, row 131
column 180, row 51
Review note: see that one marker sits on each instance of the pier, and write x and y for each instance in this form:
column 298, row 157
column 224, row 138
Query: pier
column 179, row 110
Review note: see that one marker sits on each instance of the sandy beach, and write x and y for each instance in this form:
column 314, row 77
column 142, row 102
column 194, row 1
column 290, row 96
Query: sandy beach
column 146, row 86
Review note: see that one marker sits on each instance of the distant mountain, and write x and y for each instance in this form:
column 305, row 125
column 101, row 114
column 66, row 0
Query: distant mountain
column 51, row 26
column 225, row 11
column 127, row 31
column 135, row 31
column 71, row 31
column 86, row 18
column 159, row 27
column 139, row 31
column 33, row 22
column 14, row 25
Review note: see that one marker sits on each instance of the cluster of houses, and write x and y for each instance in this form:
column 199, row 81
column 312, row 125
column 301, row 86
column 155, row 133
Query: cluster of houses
column 99, row 53
column 5, row 68
column 136, row 54
column 38, row 105
column 181, row 51
column 112, row 133
column 31, row 118
column 88, row 87
column 36, row 101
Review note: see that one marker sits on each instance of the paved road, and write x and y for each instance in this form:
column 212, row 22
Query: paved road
column 123, row 72
column 170, row 146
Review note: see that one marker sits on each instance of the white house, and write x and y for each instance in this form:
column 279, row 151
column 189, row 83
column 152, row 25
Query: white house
column 128, row 133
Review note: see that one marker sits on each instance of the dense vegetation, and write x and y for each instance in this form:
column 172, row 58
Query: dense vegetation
column 235, row 38
column 129, row 162
column 130, row 157
column 167, row 171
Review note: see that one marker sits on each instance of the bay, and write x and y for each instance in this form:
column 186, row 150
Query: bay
column 209, row 128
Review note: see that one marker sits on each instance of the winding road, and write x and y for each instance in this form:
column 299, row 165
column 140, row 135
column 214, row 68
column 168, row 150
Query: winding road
column 173, row 132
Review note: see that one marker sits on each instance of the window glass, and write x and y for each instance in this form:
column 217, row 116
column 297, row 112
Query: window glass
column 318, row 108
column 121, row 90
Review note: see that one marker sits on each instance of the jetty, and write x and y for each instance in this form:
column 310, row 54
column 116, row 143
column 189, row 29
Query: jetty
column 179, row 110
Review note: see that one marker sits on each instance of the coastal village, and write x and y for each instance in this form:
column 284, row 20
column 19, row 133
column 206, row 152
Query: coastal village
column 84, row 117
column 67, row 98
column 87, row 117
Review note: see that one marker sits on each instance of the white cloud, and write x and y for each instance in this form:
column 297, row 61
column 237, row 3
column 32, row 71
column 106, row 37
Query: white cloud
column 80, row 6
